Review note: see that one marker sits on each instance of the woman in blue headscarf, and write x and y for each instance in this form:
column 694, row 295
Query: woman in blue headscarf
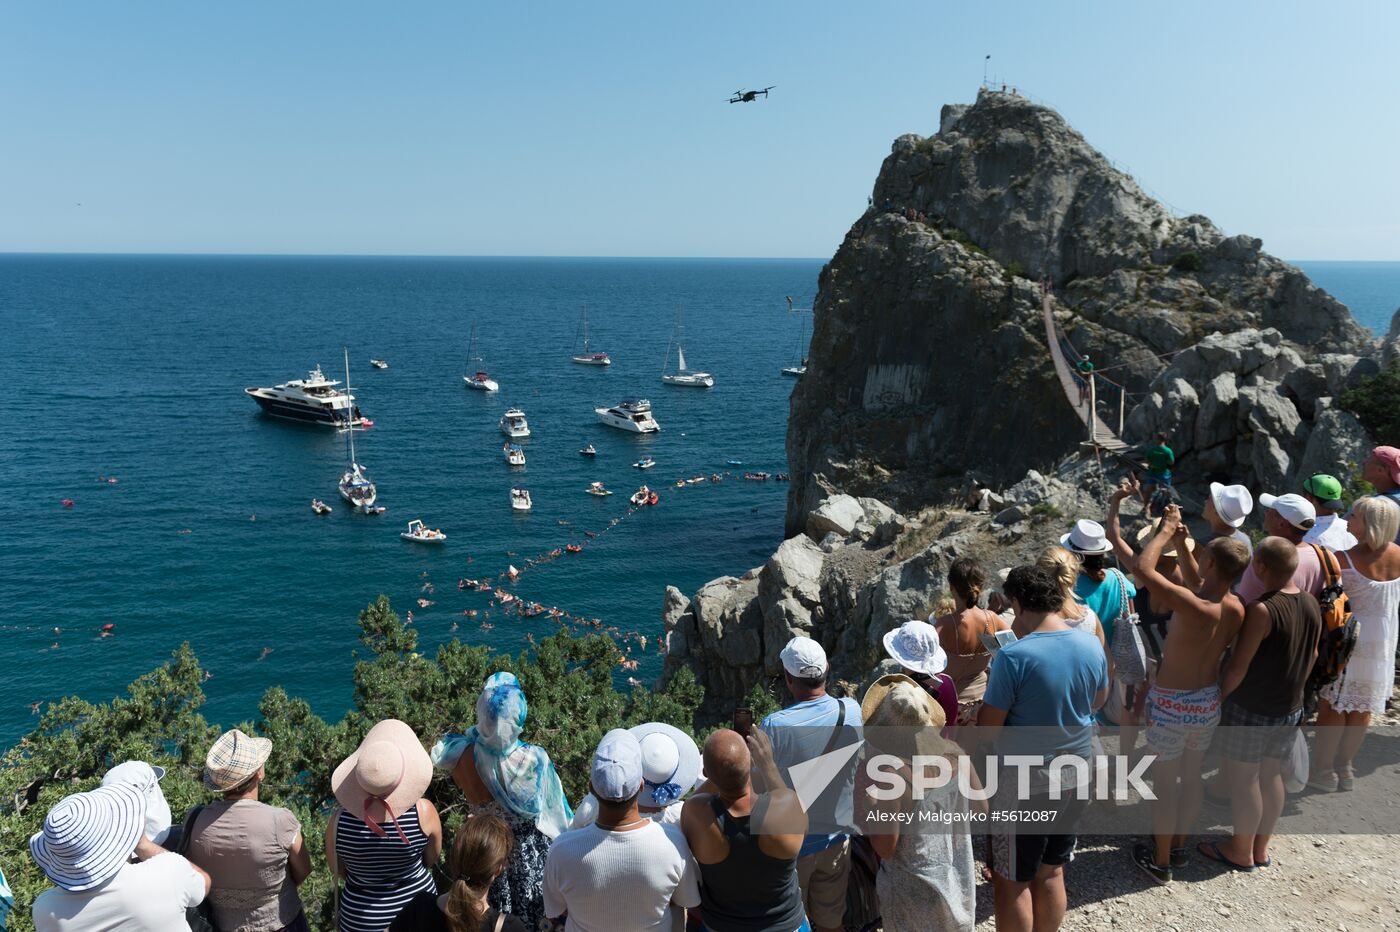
column 499, row 773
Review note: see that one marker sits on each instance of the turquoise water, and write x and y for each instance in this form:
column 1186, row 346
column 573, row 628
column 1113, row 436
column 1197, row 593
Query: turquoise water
column 134, row 367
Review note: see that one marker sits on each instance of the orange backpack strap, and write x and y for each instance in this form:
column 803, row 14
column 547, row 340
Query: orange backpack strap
column 1331, row 569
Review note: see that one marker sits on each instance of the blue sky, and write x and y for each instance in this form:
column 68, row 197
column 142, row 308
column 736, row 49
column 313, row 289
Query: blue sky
column 602, row 129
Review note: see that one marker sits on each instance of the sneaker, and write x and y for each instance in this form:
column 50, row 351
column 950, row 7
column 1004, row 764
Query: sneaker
column 1346, row 779
column 1180, row 857
column 1326, row 782
column 1144, row 858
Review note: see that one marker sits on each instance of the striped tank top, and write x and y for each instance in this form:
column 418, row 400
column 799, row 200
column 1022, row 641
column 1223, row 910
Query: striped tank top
column 381, row 873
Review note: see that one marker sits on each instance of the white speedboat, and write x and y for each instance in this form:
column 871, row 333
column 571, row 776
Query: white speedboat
column 422, row 535
column 314, row 399
column 320, row 507
column 644, row 496
column 515, row 455
column 482, row 382
column 514, row 425
column 379, row 364
column 586, row 358
column 644, row 463
column 520, row 499
column 796, row 372
column 588, row 451
column 634, row 416
column 683, row 377
column 596, row 488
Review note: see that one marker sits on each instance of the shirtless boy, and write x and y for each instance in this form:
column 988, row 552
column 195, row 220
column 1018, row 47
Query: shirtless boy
column 1183, row 707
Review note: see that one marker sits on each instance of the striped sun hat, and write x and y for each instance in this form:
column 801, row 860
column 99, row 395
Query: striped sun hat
column 233, row 759
column 87, row 837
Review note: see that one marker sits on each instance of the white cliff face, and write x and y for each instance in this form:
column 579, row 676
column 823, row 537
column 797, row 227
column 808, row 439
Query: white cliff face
column 928, row 356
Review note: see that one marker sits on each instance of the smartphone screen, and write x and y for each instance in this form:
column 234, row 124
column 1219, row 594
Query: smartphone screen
column 743, row 721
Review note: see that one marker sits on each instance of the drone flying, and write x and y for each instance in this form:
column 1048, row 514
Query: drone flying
column 748, row 97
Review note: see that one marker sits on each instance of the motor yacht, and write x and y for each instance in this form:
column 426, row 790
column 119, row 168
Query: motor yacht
column 422, row 535
column 520, row 499
column 515, row 455
column 314, row 399
column 634, row 416
column 514, row 425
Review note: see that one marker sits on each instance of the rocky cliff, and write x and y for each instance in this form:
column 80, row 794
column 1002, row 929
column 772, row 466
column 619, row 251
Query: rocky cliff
column 928, row 356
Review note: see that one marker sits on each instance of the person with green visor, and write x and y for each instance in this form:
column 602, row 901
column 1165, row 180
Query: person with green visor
column 1325, row 493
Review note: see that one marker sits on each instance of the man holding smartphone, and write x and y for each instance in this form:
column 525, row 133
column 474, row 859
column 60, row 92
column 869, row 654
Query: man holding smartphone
column 817, row 724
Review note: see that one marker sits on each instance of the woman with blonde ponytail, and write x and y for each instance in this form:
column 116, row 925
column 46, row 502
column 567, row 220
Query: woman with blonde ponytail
column 479, row 854
column 1066, row 568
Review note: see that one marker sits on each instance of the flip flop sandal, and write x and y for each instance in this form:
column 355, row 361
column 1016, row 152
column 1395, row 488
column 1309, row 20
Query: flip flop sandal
column 1210, row 850
column 1264, row 863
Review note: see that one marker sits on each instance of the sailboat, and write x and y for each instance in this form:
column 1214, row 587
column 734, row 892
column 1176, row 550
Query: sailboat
column 799, row 370
column 683, row 376
column 586, row 358
column 356, row 487
column 481, row 381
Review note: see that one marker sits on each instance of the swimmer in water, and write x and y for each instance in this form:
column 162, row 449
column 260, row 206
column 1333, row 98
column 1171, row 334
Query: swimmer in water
column 34, row 708
column 265, row 652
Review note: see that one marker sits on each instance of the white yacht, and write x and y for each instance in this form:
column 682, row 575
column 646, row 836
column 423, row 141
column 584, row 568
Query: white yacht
column 520, row 499
column 586, row 358
column 514, row 425
column 315, row 399
column 629, row 415
column 420, row 534
column 379, row 364
column 683, row 376
column 355, row 486
column 482, row 382
column 515, row 455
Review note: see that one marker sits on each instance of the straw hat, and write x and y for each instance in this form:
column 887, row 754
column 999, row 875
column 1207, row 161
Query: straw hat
column 670, row 763
column 901, row 717
column 233, row 759
column 1146, row 532
column 87, row 837
column 388, row 773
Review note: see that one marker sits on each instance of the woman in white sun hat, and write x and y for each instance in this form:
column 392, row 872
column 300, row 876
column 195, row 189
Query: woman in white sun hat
column 384, row 836
column 670, row 770
column 85, row 848
column 914, row 646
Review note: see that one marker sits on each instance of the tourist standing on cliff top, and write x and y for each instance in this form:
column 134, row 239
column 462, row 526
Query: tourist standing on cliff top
column 1371, row 579
column 500, row 773
column 915, row 646
column 1262, row 688
column 1183, row 705
column 1288, row 516
column 813, row 725
column 1382, row 470
column 1040, row 702
column 1324, row 493
column 1226, row 509
column 255, row 853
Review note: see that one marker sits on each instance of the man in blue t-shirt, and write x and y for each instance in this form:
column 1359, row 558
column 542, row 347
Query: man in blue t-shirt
column 813, row 725
column 1045, row 687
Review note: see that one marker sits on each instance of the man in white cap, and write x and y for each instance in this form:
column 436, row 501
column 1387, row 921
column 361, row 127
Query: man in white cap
column 1288, row 516
column 817, row 724
column 624, row 871
column 670, row 770
column 85, row 848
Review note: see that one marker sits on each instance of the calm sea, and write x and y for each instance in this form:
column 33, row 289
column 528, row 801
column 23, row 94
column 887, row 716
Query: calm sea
column 134, row 368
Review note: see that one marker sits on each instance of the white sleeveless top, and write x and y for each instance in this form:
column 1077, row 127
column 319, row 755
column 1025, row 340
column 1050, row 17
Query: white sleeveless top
column 1369, row 677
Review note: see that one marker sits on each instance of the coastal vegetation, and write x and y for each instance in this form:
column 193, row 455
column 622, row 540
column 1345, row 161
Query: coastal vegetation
column 1375, row 401
column 569, row 682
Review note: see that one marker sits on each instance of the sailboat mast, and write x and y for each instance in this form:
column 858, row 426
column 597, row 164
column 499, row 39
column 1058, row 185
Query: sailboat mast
column 352, row 407
column 585, row 330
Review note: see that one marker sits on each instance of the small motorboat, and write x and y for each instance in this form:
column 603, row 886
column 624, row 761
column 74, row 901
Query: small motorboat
column 645, row 463
column 379, row 364
column 573, row 548
column 756, row 476
column 733, row 462
column 695, row 480
column 422, row 535
column 639, row 497
column 588, row 451
column 515, row 454
column 596, row 488
column 520, row 499
column 653, row 498
column 320, row 507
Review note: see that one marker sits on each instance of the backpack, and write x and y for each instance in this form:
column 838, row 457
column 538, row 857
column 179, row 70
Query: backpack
column 1338, row 623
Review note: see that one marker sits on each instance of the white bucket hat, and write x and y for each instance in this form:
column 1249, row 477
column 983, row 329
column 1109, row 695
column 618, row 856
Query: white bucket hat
column 87, row 837
column 1233, row 503
column 915, row 646
column 1087, row 537
column 146, row 778
column 670, row 763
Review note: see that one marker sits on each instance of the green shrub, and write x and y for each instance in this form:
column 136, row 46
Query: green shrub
column 1189, row 261
column 568, row 680
column 1375, row 402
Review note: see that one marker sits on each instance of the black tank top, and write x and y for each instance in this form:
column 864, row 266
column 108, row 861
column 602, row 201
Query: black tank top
column 748, row 891
column 1273, row 684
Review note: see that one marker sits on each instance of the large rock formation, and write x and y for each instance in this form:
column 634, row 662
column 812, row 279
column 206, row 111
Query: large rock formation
column 928, row 355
